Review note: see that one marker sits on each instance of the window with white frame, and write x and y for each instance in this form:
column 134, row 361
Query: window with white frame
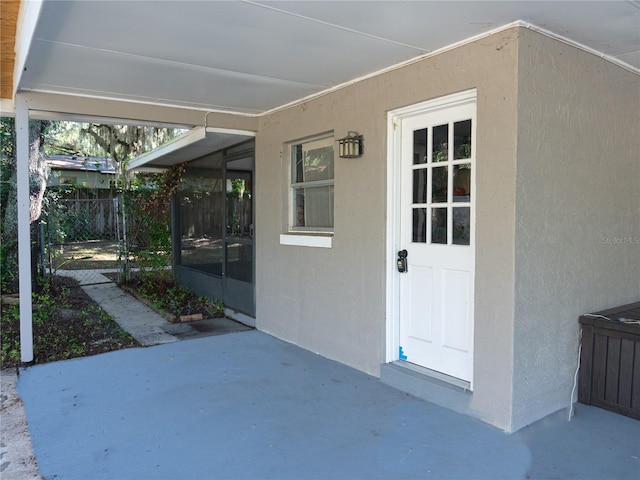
column 311, row 200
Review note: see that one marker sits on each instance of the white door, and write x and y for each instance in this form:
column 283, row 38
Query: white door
column 437, row 150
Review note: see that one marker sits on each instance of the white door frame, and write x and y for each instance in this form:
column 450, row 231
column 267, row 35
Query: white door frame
column 394, row 165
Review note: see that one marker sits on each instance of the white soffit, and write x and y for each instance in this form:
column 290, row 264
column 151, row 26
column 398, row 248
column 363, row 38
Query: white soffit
column 7, row 109
column 196, row 143
column 250, row 57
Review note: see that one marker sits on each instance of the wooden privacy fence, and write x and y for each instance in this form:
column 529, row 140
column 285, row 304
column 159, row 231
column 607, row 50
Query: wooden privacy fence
column 75, row 220
column 79, row 234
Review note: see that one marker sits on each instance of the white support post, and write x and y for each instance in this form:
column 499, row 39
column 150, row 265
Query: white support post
column 24, row 231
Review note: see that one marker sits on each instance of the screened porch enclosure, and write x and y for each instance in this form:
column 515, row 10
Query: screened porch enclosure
column 213, row 228
column 201, row 208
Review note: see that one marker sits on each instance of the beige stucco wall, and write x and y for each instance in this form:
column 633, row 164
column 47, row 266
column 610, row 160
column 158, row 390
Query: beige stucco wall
column 577, row 246
column 332, row 301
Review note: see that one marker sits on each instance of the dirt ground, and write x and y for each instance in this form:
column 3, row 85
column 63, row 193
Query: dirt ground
column 73, row 327
column 92, row 254
column 17, row 460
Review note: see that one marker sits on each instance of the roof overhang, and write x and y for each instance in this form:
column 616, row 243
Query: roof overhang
column 196, row 143
column 252, row 57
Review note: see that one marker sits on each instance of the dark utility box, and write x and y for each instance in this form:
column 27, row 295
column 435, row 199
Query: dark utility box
column 610, row 360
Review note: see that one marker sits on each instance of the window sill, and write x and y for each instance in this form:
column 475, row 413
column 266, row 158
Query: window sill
column 301, row 240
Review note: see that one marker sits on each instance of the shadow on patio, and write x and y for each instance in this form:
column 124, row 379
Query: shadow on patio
column 247, row 405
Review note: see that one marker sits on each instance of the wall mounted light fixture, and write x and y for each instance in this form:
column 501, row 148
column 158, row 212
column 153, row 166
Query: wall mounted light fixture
column 350, row 146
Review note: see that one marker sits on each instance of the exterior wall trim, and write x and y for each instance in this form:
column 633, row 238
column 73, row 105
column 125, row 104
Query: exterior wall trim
column 318, row 241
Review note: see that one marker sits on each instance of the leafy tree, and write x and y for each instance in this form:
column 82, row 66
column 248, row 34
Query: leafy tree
column 7, row 161
column 8, row 233
column 120, row 142
column 38, row 173
column 66, row 138
column 145, row 209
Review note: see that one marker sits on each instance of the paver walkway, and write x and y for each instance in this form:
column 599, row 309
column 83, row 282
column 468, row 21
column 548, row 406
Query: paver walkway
column 143, row 323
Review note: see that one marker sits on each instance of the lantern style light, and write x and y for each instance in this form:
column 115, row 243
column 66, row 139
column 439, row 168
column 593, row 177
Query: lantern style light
column 350, row 146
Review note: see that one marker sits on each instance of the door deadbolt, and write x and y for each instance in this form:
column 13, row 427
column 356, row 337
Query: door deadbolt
column 402, row 261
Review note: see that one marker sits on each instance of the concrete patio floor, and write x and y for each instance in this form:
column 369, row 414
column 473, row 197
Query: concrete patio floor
column 249, row 406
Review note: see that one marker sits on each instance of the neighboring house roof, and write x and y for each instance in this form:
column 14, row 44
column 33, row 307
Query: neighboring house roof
column 85, row 164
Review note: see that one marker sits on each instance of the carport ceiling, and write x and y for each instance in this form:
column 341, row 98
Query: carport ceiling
column 255, row 56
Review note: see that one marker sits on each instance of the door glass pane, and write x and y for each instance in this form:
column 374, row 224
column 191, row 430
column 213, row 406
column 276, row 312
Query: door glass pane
column 440, row 149
column 461, row 225
column 419, row 225
column 439, row 184
column 420, row 186
column 240, row 262
column 239, row 204
column 462, row 139
column 439, row 225
column 239, row 220
column 420, row 146
column 462, row 183
column 201, row 198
